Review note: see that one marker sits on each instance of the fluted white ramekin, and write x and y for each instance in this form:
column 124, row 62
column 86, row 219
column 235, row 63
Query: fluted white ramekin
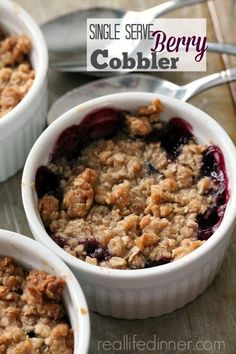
column 145, row 292
column 31, row 254
column 24, row 123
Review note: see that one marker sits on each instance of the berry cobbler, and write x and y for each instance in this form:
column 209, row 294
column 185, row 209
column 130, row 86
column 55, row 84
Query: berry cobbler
column 16, row 73
column 127, row 190
column 32, row 316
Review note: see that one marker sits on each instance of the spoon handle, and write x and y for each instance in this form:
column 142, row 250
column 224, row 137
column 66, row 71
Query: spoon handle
column 68, row 67
column 168, row 6
column 222, row 48
column 197, row 86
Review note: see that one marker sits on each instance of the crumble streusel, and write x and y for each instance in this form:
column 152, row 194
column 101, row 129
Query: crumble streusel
column 16, row 73
column 129, row 191
column 32, row 315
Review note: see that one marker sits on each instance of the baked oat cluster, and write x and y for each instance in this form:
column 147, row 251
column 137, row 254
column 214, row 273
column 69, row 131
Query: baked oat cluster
column 16, row 73
column 143, row 195
column 32, row 316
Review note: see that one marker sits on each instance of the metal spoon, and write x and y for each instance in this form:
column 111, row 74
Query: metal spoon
column 137, row 82
column 66, row 40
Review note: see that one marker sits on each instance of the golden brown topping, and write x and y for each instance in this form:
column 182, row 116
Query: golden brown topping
column 61, row 340
column 116, row 246
column 16, row 74
column 42, row 286
column 147, row 239
column 138, row 126
column 38, row 311
column 79, row 197
column 48, row 208
column 155, row 107
column 186, row 247
column 117, row 263
column 120, row 194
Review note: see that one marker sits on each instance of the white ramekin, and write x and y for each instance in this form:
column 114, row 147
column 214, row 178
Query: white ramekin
column 33, row 255
column 146, row 292
column 24, row 123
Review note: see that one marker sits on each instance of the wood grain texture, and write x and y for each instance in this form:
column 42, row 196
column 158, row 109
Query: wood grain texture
column 212, row 316
column 225, row 30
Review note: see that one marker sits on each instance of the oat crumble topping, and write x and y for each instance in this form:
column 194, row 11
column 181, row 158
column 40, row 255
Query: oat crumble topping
column 32, row 315
column 16, row 73
column 143, row 196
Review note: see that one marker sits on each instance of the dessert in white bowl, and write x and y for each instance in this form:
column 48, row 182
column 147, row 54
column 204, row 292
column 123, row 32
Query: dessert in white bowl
column 42, row 308
column 152, row 291
column 23, row 92
column 140, row 194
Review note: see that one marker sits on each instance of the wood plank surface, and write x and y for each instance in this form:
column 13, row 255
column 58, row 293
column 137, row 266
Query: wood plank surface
column 211, row 317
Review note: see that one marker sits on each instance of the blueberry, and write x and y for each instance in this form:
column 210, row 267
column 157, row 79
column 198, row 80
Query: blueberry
column 60, row 241
column 94, row 249
column 174, row 135
column 213, row 163
column 31, row 334
column 47, row 182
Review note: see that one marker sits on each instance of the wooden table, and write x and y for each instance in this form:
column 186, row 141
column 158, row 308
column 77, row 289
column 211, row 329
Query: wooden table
column 211, row 317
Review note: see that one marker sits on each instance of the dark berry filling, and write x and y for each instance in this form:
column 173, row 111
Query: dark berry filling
column 176, row 133
column 60, row 241
column 47, row 182
column 98, row 124
column 31, row 334
column 94, row 249
column 213, row 166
